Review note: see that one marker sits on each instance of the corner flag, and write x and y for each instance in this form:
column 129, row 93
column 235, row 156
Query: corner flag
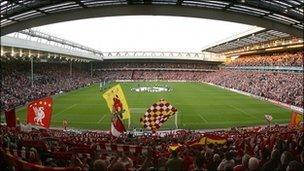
column 117, row 102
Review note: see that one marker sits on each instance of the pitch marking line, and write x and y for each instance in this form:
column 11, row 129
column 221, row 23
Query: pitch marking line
column 202, row 117
column 101, row 118
column 242, row 111
column 68, row 108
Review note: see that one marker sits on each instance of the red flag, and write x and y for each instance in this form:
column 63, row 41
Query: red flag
column 39, row 112
column 10, row 117
column 117, row 127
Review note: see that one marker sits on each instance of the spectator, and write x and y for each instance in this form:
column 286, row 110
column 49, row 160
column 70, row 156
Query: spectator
column 118, row 166
column 34, row 157
column 227, row 162
column 286, row 157
column 244, row 165
column 274, row 161
column 216, row 160
column 199, row 162
column 253, row 164
column 99, row 165
column 175, row 163
column 264, row 155
column 295, row 166
column 126, row 161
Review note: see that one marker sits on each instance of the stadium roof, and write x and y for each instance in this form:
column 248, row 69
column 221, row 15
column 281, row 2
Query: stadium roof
column 254, row 36
column 284, row 16
column 42, row 43
column 33, row 43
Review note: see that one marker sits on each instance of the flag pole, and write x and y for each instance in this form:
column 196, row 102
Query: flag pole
column 32, row 72
column 176, row 126
column 129, row 122
column 91, row 69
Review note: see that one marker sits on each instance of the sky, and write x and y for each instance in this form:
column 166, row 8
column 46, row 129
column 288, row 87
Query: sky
column 145, row 33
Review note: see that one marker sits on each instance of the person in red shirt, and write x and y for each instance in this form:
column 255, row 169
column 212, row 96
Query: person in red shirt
column 188, row 160
column 244, row 165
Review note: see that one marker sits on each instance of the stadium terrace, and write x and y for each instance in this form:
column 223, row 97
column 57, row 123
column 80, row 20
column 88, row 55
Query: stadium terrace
column 235, row 105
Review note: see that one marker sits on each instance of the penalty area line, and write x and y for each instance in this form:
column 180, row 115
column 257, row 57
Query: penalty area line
column 203, row 118
column 68, row 108
column 101, row 118
column 242, row 111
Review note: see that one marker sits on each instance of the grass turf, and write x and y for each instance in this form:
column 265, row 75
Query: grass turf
column 200, row 106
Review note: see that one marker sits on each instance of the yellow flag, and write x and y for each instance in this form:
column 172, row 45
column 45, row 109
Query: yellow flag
column 296, row 119
column 117, row 102
column 174, row 147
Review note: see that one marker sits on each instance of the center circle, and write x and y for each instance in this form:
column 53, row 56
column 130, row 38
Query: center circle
column 151, row 89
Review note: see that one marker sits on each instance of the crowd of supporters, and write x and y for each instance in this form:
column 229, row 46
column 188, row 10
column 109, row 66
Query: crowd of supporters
column 282, row 87
column 49, row 79
column 151, row 75
column 113, row 75
column 269, row 148
column 158, row 64
column 169, row 75
column 276, row 59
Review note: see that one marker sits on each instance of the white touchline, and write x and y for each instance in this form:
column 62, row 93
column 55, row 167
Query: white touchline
column 101, row 118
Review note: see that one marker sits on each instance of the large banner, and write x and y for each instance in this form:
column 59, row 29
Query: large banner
column 39, row 112
column 208, row 139
column 117, row 102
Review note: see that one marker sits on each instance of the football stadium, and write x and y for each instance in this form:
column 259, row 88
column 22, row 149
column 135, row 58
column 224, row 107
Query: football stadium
column 152, row 85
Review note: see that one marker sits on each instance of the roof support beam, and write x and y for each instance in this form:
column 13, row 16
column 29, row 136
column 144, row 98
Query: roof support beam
column 121, row 10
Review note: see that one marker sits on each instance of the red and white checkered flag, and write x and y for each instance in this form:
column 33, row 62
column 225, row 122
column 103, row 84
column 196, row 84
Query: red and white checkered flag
column 157, row 114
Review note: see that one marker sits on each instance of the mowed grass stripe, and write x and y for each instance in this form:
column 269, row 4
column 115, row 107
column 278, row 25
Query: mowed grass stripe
column 220, row 108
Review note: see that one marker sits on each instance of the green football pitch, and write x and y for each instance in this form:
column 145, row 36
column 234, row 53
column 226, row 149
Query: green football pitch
column 200, row 106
